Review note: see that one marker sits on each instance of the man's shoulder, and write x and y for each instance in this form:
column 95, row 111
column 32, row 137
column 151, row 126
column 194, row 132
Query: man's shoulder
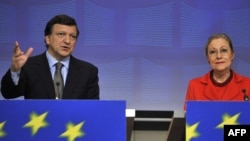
column 36, row 59
column 82, row 63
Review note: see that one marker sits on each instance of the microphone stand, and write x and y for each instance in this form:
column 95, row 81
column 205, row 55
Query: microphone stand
column 57, row 87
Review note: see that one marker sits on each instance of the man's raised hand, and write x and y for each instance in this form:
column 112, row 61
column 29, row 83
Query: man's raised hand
column 19, row 58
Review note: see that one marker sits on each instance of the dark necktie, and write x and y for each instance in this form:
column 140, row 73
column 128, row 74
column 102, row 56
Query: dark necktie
column 58, row 81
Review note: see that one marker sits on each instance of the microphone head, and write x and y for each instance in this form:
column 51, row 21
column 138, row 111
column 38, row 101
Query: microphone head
column 245, row 97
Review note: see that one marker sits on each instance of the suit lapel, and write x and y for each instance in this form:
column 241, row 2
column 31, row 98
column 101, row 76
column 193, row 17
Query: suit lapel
column 72, row 78
column 43, row 71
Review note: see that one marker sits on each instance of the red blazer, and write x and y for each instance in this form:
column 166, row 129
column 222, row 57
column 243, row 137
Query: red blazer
column 202, row 88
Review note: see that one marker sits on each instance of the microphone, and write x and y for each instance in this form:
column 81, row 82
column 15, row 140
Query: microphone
column 57, row 87
column 245, row 97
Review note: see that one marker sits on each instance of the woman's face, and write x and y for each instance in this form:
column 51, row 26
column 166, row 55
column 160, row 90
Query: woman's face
column 220, row 55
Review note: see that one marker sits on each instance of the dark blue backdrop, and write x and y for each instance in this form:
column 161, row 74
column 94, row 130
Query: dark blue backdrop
column 146, row 50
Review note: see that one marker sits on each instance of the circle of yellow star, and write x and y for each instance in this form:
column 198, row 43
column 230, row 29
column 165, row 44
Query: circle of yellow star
column 191, row 131
column 229, row 120
column 2, row 133
column 36, row 122
column 73, row 131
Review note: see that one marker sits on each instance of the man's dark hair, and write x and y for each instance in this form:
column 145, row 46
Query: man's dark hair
column 60, row 19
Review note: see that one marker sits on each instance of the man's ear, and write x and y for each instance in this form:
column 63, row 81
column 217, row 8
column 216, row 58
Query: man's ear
column 46, row 39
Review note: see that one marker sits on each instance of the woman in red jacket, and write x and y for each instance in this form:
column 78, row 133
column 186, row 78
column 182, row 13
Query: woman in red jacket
column 221, row 83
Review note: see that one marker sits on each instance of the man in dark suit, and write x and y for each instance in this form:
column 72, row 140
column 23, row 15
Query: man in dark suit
column 32, row 77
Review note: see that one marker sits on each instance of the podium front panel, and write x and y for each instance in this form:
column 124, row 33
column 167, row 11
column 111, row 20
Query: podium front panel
column 62, row 120
column 205, row 120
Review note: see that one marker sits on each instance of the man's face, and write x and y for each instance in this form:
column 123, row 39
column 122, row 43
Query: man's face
column 61, row 42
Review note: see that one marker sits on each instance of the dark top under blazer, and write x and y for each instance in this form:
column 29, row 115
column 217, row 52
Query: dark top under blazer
column 35, row 80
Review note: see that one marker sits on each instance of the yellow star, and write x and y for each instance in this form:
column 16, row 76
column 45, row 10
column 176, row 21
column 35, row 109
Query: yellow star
column 36, row 122
column 73, row 131
column 2, row 133
column 191, row 131
column 227, row 120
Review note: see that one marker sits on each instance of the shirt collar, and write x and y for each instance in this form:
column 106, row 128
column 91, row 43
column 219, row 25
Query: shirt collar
column 52, row 61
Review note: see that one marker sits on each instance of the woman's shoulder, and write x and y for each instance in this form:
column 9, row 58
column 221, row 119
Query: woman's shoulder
column 239, row 77
column 201, row 79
